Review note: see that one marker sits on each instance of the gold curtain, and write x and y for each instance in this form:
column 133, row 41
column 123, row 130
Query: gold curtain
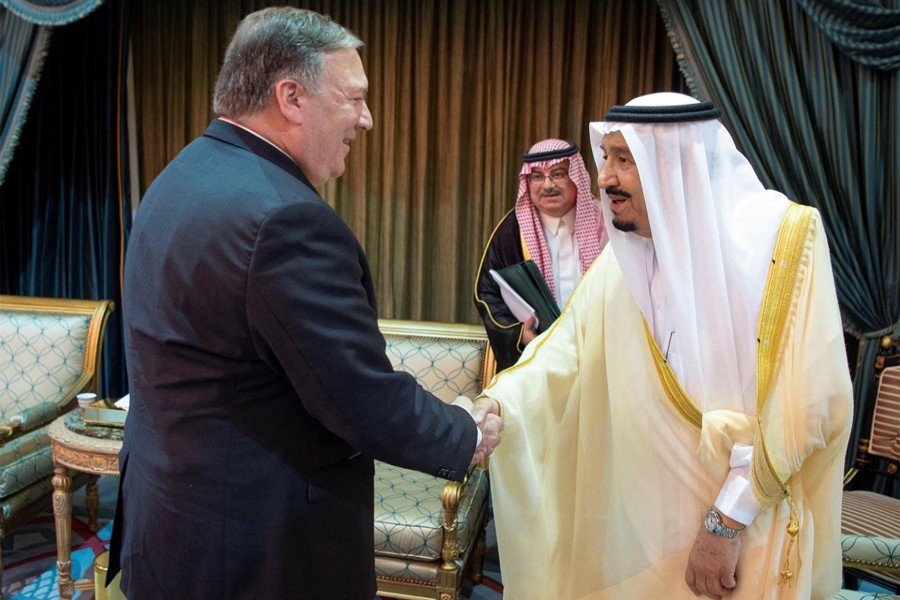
column 458, row 90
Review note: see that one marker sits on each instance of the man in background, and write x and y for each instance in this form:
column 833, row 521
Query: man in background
column 260, row 389
column 557, row 223
column 681, row 428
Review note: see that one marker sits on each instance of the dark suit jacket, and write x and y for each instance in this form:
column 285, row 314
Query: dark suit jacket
column 260, row 389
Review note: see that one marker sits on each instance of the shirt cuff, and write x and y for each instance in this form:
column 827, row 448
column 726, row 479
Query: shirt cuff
column 477, row 428
column 736, row 499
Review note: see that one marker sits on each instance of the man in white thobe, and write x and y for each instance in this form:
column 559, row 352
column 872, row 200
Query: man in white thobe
column 681, row 428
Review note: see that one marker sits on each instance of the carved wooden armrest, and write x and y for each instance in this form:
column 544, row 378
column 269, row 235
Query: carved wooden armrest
column 38, row 415
column 29, row 419
column 450, row 498
column 10, row 431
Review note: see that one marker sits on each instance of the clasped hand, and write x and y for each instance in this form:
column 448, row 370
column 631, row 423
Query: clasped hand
column 528, row 332
column 486, row 413
column 712, row 564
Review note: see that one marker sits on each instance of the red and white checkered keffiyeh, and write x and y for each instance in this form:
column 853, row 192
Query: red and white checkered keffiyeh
column 590, row 234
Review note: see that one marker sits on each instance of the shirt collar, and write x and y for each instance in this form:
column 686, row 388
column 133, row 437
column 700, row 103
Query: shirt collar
column 551, row 224
column 263, row 138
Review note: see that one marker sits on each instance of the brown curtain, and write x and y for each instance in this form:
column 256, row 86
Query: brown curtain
column 458, row 90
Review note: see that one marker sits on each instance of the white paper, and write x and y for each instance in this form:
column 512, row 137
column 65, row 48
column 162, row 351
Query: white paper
column 517, row 305
column 123, row 402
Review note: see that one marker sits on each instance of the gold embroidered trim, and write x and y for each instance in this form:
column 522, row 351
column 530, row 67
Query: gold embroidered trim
column 765, row 484
column 773, row 315
column 674, row 390
column 525, row 251
column 778, row 294
column 478, row 299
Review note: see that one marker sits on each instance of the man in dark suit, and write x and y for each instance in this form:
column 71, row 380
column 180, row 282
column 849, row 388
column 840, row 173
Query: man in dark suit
column 260, row 389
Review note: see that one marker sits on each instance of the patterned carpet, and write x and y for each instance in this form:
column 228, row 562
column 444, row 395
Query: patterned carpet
column 29, row 553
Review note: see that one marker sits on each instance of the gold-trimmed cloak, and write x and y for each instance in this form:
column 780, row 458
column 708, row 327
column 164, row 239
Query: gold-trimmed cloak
column 601, row 480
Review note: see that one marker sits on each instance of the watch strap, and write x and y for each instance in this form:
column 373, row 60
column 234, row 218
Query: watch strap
column 715, row 525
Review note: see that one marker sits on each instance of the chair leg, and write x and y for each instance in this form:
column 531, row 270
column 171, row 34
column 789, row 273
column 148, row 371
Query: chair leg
column 478, row 557
column 92, row 501
column 449, row 594
column 447, row 584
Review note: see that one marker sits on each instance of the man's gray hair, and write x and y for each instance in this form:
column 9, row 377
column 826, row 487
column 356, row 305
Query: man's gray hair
column 274, row 44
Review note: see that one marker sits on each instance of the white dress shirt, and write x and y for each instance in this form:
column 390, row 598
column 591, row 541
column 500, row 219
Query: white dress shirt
column 563, row 246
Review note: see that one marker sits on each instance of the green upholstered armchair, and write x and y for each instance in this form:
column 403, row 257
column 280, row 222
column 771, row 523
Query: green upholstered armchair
column 870, row 521
column 429, row 532
column 49, row 352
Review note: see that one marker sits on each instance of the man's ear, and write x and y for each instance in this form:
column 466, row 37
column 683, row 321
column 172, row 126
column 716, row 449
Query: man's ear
column 291, row 97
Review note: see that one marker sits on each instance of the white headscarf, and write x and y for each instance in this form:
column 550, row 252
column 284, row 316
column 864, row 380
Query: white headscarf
column 714, row 227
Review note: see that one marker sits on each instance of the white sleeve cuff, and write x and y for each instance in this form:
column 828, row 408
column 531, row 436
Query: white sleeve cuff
column 736, row 498
column 460, row 404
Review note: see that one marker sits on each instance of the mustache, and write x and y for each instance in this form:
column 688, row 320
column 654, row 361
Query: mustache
column 554, row 191
column 614, row 191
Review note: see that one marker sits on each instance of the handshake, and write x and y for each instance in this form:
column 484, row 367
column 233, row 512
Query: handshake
column 486, row 413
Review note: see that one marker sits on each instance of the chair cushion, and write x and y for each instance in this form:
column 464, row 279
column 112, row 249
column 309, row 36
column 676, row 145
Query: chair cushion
column 885, row 437
column 868, row 513
column 420, row 572
column 13, row 504
column 408, row 512
column 25, row 460
column 41, row 358
column 870, row 527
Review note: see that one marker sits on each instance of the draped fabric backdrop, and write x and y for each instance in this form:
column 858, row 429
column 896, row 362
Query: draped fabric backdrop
column 62, row 223
column 810, row 90
column 458, row 90
column 24, row 39
column 23, row 46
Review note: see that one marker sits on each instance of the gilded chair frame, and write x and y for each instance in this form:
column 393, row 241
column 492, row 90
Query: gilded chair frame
column 97, row 312
column 450, row 569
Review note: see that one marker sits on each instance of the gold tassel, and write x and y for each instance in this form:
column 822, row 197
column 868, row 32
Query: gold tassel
column 793, row 528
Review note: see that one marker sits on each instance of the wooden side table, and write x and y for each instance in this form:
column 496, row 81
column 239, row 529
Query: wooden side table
column 92, row 450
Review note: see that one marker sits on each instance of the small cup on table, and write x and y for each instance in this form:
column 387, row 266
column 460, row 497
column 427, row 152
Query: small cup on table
column 86, row 399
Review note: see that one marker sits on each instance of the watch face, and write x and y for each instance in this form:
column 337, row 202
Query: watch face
column 711, row 520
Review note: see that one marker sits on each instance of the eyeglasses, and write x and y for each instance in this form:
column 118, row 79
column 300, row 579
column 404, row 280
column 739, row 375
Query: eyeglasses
column 538, row 178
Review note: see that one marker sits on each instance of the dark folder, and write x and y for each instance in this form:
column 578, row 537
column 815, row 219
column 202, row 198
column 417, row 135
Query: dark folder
column 526, row 279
